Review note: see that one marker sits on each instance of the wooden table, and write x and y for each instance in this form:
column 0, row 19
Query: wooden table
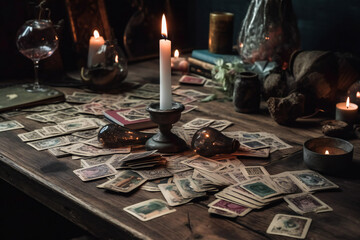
column 50, row 180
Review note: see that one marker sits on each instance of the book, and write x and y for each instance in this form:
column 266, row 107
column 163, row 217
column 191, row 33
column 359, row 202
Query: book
column 200, row 63
column 16, row 96
column 124, row 119
column 198, row 70
column 206, row 56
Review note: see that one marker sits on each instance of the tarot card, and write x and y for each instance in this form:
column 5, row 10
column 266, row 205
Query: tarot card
column 92, row 141
column 155, row 173
column 201, row 185
column 53, row 130
column 144, row 94
column 78, row 99
column 285, row 183
column 37, row 117
column 155, row 87
column 290, row 226
column 49, row 143
column 74, row 139
column 30, row 136
column 220, row 124
column 254, row 171
column 77, row 125
column 306, row 202
column 152, row 186
column 254, row 144
column 184, row 99
column 184, row 174
column 95, row 172
column 87, row 134
column 149, row 209
column 125, row 181
column 198, row 123
column 275, row 143
column 90, row 151
column 183, row 184
column 191, row 80
column 172, row 194
column 189, row 108
column 191, row 93
column 235, row 199
column 312, row 181
column 96, row 160
column 10, row 125
column 57, row 152
column 222, row 213
column 230, row 207
column 174, row 164
column 257, row 153
column 260, row 188
column 238, row 176
column 203, row 163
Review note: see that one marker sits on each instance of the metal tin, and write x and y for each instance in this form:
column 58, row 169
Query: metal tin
column 221, row 32
column 336, row 162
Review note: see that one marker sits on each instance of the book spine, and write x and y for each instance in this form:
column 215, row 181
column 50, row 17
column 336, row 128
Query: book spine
column 200, row 63
column 203, row 57
column 208, row 57
column 200, row 71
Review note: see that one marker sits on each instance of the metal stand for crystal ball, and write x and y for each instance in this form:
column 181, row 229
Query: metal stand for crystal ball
column 165, row 141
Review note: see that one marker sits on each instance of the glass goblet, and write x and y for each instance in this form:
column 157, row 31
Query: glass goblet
column 37, row 39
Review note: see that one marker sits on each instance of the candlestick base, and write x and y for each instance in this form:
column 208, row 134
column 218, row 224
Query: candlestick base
column 165, row 141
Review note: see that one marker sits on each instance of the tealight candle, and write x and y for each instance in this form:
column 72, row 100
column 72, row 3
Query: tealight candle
column 179, row 63
column 330, row 155
column 346, row 111
column 94, row 56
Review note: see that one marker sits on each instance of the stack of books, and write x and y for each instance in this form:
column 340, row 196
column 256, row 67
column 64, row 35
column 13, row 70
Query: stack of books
column 202, row 61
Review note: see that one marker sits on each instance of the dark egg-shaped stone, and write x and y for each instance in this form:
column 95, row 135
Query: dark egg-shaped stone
column 113, row 136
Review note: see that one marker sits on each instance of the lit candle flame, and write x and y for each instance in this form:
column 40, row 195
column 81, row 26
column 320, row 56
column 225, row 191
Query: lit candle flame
column 164, row 27
column 116, row 58
column 96, row 34
column 347, row 102
column 176, row 53
column 327, row 152
column 358, row 94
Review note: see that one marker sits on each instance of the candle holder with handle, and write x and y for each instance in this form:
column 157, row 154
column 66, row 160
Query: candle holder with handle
column 165, row 141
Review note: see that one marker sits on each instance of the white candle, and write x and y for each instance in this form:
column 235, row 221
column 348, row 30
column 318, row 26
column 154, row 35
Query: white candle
column 346, row 111
column 94, row 56
column 165, row 68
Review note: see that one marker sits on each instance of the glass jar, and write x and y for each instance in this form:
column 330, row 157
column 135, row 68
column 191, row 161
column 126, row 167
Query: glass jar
column 247, row 92
column 110, row 72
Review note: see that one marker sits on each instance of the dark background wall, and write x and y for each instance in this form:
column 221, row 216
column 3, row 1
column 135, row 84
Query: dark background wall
column 323, row 24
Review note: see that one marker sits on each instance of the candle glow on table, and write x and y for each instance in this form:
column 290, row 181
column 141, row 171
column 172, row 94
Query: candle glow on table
column 165, row 68
column 95, row 43
column 346, row 111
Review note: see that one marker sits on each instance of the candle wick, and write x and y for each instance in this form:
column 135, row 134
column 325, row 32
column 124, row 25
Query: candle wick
column 164, row 37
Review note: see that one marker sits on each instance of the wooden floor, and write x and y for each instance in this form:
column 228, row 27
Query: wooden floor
column 51, row 181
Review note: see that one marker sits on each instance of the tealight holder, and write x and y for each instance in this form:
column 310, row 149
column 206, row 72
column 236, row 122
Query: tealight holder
column 165, row 141
column 328, row 155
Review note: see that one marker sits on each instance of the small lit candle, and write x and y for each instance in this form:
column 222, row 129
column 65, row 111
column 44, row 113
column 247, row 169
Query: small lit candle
column 94, row 56
column 327, row 152
column 346, row 111
column 179, row 63
column 165, row 68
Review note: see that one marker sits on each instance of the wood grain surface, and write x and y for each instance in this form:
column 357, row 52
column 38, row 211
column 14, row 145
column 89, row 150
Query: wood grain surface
column 50, row 180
